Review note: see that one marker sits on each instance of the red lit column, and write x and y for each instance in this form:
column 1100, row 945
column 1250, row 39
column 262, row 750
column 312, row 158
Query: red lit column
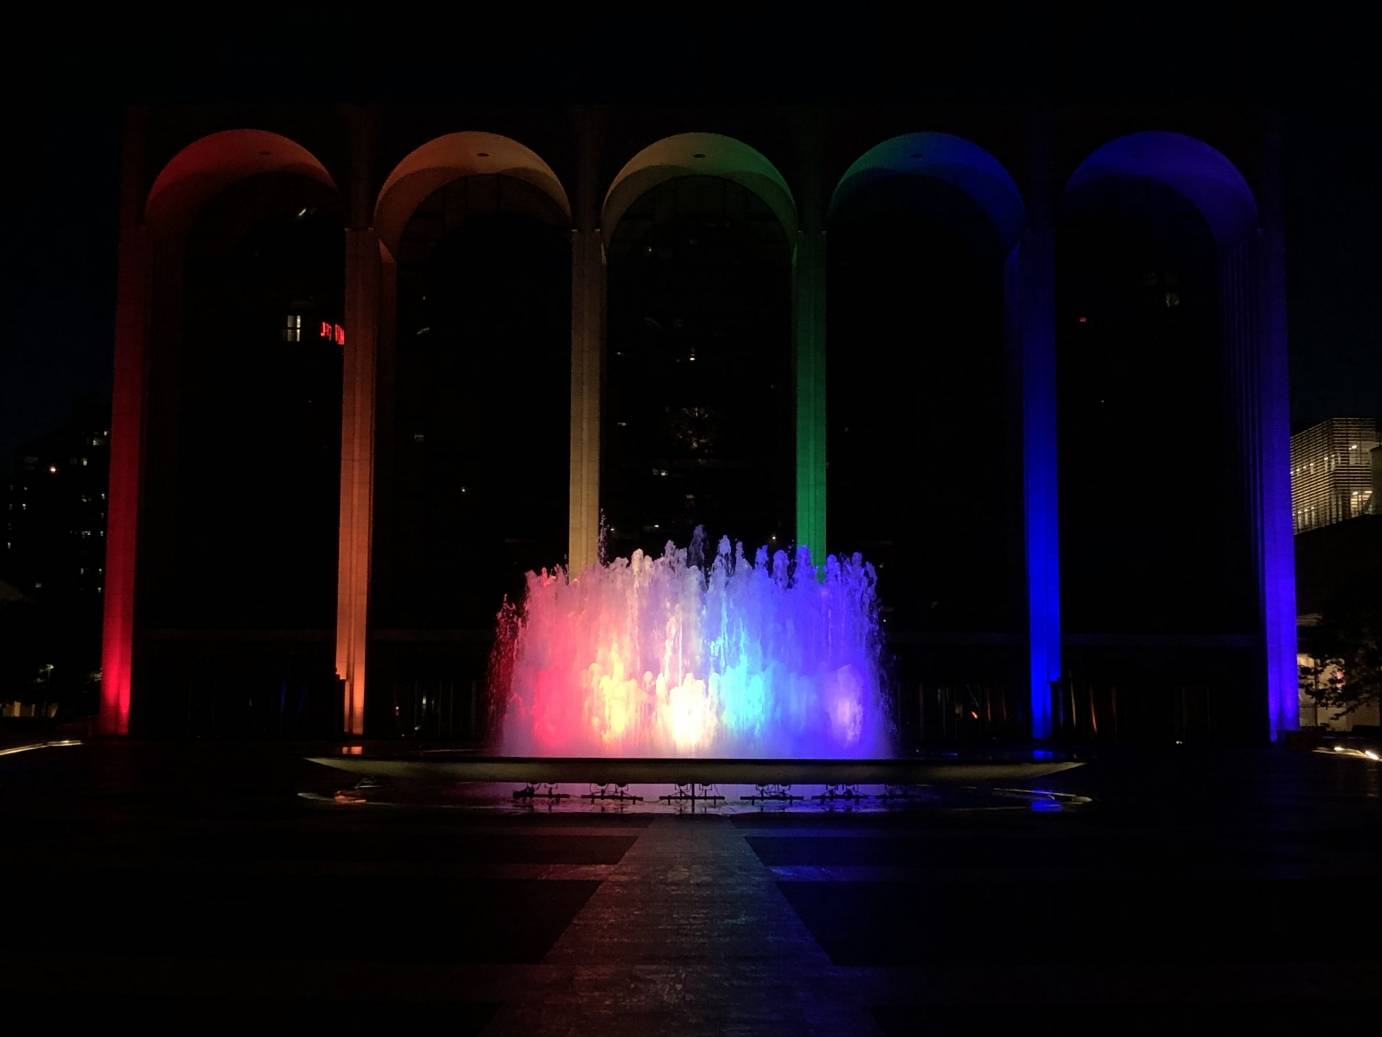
column 133, row 300
column 133, row 280
column 587, row 356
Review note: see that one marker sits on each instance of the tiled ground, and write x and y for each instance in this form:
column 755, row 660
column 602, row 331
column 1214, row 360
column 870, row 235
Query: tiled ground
column 224, row 889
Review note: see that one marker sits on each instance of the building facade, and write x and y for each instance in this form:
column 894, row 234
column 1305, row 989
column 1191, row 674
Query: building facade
column 491, row 291
column 1332, row 472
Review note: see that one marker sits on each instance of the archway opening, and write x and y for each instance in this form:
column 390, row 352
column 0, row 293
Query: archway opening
column 1159, row 591
column 472, row 444
column 697, row 418
column 240, row 519
column 924, row 459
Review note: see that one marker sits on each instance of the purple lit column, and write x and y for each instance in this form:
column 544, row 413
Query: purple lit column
column 1253, row 282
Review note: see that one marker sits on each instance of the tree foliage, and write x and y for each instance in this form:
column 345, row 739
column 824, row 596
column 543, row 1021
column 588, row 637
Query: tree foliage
column 1343, row 665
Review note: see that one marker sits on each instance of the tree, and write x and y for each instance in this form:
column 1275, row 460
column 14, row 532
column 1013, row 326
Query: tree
column 1343, row 667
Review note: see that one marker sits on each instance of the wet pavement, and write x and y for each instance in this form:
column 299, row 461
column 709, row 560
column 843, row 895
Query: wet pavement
column 223, row 888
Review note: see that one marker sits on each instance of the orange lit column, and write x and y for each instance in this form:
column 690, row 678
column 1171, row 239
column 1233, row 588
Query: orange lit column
column 587, row 358
column 587, row 348
column 133, row 281
column 364, row 269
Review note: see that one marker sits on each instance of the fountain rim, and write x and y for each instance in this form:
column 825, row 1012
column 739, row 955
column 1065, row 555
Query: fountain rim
column 458, row 765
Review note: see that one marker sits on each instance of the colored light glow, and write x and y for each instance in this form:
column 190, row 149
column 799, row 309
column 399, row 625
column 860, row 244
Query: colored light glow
column 1029, row 296
column 660, row 657
column 30, row 747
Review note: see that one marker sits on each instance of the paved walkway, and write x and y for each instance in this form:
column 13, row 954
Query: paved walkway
column 688, row 934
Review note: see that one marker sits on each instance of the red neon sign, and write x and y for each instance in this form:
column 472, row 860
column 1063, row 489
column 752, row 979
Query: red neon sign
column 333, row 333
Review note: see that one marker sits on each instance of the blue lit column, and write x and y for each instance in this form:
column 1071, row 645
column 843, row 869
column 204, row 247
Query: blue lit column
column 1029, row 300
column 1253, row 285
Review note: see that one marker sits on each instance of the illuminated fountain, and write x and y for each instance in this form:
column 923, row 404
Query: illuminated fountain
column 669, row 656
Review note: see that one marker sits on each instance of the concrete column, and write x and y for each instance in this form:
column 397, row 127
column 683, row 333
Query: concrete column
column 363, row 277
column 1278, row 569
column 134, row 294
column 365, row 271
column 809, row 360
column 588, row 298
column 809, row 128
column 1253, row 290
column 587, row 360
column 133, row 283
column 1030, row 304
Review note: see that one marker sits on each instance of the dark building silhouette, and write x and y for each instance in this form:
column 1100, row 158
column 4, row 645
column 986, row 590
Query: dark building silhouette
column 53, row 560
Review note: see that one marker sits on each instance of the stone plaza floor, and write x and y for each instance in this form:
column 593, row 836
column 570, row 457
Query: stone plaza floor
column 237, row 888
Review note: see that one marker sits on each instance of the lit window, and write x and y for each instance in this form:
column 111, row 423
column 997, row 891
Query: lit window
column 292, row 328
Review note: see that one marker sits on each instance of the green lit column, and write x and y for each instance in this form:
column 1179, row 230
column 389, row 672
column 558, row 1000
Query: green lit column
column 808, row 351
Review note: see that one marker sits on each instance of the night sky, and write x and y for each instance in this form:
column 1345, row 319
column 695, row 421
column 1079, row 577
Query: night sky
column 64, row 171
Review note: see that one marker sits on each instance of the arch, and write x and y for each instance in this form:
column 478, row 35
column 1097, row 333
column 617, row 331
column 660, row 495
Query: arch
column 698, row 154
column 953, row 160
column 1247, row 275
column 1199, row 173
column 450, row 157
column 923, row 228
column 214, row 162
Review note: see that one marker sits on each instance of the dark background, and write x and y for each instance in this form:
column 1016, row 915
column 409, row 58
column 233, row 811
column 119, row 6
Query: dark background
column 69, row 81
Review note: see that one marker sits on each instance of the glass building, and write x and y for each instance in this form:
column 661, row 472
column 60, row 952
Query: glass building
column 1331, row 472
